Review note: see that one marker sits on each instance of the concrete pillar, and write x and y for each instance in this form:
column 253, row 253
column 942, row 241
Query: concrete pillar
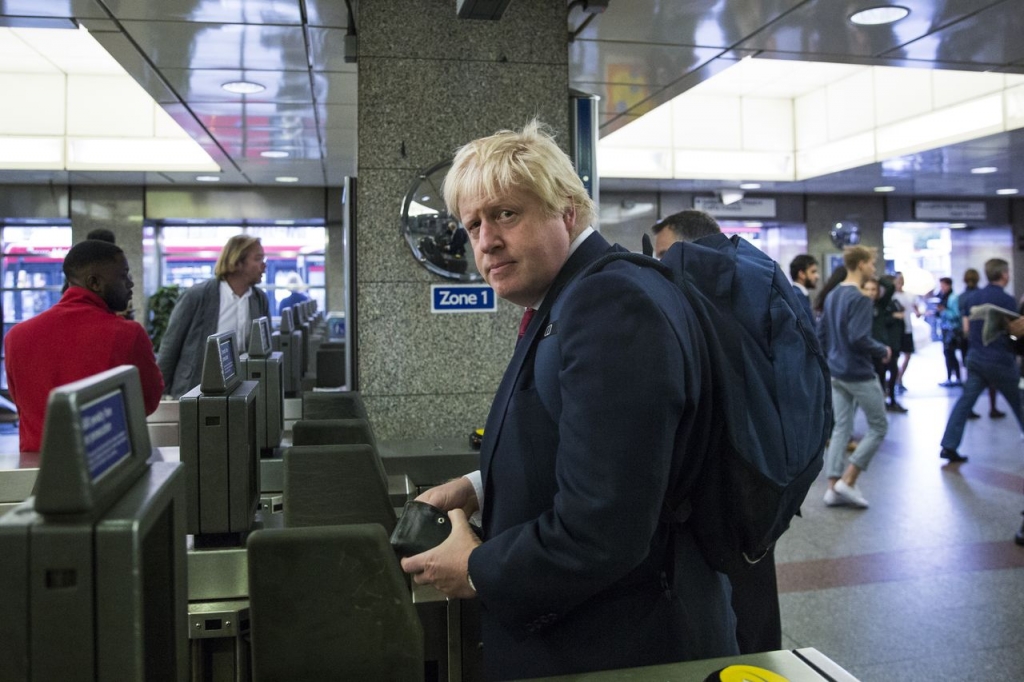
column 428, row 83
column 824, row 211
column 119, row 209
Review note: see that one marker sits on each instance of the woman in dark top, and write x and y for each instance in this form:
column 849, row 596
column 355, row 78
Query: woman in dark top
column 887, row 327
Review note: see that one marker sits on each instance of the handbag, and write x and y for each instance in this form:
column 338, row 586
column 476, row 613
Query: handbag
column 421, row 527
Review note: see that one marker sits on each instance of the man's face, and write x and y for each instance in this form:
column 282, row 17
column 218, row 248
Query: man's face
column 253, row 265
column 866, row 269
column 663, row 240
column 870, row 289
column 114, row 284
column 809, row 277
column 898, row 282
column 945, row 288
column 518, row 247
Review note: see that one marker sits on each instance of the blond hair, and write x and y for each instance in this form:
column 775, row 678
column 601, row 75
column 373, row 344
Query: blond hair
column 855, row 255
column 526, row 160
column 233, row 253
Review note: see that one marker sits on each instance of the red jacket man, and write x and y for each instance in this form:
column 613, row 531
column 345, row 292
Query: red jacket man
column 78, row 337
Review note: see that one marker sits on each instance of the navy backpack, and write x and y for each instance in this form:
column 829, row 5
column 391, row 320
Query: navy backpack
column 772, row 395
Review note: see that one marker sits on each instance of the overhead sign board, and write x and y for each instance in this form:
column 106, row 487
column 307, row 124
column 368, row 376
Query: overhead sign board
column 744, row 208
column 462, row 298
column 949, row 210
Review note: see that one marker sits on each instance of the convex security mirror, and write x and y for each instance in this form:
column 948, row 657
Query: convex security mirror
column 438, row 240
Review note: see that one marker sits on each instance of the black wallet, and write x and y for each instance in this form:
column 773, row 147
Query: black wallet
column 421, row 527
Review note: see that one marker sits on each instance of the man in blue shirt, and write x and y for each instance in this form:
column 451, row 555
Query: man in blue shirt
column 845, row 335
column 993, row 364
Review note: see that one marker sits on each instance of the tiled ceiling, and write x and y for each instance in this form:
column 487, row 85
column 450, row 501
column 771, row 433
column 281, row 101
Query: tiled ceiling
column 636, row 55
column 640, row 54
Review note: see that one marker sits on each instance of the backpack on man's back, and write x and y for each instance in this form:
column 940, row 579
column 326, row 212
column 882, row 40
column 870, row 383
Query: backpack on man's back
column 771, row 388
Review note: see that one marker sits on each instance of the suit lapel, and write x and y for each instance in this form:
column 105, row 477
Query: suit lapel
column 590, row 250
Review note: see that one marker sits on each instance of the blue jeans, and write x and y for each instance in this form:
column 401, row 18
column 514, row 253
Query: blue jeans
column 981, row 375
column 846, row 396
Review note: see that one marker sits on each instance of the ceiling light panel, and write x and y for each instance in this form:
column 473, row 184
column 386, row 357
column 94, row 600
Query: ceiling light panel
column 72, row 52
column 91, row 108
column 901, row 93
column 874, row 16
column 953, row 87
column 707, row 122
column 851, row 105
column 40, row 104
column 17, row 56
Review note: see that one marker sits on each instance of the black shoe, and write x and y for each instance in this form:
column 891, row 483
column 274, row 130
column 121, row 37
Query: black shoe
column 952, row 455
column 996, row 414
column 973, row 415
column 950, row 384
column 1019, row 537
column 895, row 407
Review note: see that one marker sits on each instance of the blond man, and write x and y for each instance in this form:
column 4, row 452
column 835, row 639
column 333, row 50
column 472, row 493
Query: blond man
column 845, row 335
column 227, row 303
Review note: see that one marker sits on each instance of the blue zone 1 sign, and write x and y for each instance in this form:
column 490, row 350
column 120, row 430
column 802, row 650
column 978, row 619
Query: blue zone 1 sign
column 462, row 298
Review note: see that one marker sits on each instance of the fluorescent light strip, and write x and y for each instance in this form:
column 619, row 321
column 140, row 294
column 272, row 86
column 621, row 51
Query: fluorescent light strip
column 32, row 153
column 137, row 155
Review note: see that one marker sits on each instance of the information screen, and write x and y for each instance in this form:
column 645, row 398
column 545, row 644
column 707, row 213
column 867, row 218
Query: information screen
column 105, row 433
column 265, row 333
column 227, row 359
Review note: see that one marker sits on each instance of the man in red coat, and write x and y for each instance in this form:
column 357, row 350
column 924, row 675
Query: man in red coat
column 78, row 337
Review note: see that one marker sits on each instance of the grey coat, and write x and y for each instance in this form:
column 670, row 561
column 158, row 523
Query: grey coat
column 195, row 318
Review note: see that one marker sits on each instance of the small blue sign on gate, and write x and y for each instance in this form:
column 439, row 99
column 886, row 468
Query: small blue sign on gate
column 462, row 298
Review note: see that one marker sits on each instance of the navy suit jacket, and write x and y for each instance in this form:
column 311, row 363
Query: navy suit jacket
column 603, row 406
column 805, row 301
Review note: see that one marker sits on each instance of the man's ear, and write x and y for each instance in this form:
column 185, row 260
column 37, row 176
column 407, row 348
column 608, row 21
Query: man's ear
column 569, row 219
column 93, row 282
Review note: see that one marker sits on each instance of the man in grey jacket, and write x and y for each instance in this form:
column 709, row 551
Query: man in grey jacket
column 227, row 303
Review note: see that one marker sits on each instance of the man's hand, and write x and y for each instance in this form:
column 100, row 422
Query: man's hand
column 446, row 567
column 888, row 355
column 457, row 493
column 1016, row 327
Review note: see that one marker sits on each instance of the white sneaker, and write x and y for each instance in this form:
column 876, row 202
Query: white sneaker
column 832, row 499
column 851, row 494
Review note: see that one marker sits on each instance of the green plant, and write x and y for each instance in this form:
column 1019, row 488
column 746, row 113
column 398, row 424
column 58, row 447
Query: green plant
column 160, row 305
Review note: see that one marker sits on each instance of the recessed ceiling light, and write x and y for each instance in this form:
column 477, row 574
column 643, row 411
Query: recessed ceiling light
column 1008, row 190
column 885, row 188
column 243, row 87
column 274, row 154
column 207, row 178
column 957, row 226
column 286, row 178
column 885, row 14
column 750, row 185
column 982, row 170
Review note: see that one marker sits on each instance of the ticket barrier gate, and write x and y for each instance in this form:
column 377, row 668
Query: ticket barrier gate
column 266, row 367
column 219, row 446
column 288, row 341
column 92, row 567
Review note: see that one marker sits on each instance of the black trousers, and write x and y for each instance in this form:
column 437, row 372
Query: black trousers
column 755, row 601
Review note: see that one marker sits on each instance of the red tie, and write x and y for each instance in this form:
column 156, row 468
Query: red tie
column 525, row 322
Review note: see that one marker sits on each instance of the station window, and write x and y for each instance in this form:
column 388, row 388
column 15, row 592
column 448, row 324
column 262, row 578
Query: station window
column 31, row 275
column 185, row 254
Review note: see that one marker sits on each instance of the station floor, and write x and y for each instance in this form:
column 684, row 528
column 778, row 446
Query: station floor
column 927, row 584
